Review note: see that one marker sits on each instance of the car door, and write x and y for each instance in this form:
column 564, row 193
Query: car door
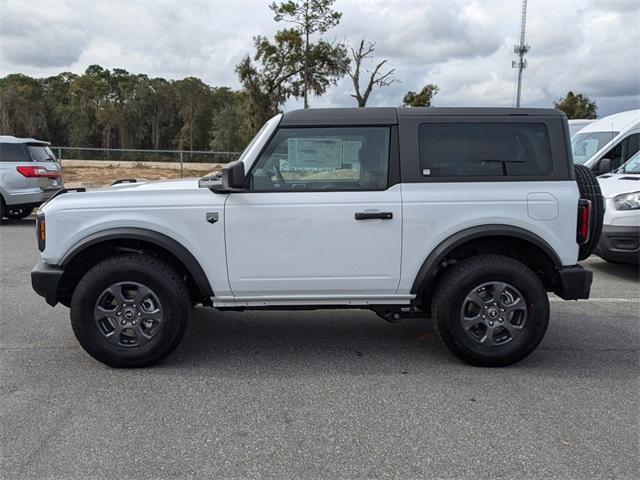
column 321, row 218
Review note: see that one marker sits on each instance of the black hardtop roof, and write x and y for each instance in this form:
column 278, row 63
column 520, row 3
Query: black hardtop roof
column 389, row 115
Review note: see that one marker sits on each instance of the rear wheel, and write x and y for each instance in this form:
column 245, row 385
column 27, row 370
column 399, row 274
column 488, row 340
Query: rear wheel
column 491, row 310
column 590, row 189
column 130, row 311
column 16, row 213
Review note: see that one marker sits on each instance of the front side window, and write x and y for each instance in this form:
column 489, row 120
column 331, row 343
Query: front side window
column 585, row 145
column 623, row 151
column 317, row 159
column 484, row 149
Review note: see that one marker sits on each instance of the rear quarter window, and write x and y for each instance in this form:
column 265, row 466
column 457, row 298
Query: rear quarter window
column 484, row 150
column 12, row 153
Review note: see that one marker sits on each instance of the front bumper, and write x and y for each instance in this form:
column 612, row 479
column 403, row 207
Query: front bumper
column 619, row 243
column 574, row 283
column 46, row 281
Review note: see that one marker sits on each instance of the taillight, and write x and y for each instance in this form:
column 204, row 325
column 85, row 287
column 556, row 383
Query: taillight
column 37, row 172
column 584, row 221
column 41, row 230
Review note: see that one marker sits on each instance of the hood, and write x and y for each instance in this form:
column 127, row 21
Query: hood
column 181, row 184
column 138, row 195
column 613, row 184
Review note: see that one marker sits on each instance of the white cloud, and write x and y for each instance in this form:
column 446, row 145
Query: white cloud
column 465, row 46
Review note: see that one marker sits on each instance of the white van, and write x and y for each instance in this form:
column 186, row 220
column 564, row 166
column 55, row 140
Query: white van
column 577, row 124
column 620, row 239
column 607, row 143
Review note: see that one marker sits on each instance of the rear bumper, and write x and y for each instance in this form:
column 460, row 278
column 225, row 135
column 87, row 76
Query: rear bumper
column 619, row 244
column 32, row 197
column 574, row 283
column 45, row 280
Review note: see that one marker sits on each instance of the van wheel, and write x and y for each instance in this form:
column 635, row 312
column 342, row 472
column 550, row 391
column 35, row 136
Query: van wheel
column 16, row 213
column 130, row 311
column 590, row 189
column 490, row 310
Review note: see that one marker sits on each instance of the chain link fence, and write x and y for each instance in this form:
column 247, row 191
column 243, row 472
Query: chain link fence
column 129, row 155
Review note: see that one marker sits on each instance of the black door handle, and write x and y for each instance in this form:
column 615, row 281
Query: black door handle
column 374, row 215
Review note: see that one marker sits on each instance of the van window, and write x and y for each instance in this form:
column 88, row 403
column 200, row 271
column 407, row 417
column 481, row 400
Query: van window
column 12, row 152
column 484, row 149
column 585, row 145
column 624, row 150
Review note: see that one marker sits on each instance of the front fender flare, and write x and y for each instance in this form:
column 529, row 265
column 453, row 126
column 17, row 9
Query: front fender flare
column 149, row 236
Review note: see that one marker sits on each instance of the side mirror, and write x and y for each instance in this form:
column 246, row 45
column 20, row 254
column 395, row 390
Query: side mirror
column 233, row 179
column 604, row 166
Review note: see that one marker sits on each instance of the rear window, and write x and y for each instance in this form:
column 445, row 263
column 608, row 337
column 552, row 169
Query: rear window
column 485, row 149
column 12, row 152
column 41, row 153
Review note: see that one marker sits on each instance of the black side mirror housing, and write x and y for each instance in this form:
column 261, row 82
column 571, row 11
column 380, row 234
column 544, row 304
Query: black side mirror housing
column 604, row 166
column 232, row 176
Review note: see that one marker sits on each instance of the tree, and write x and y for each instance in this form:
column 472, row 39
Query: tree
column 376, row 77
column 194, row 111
column 422, row 99
column 89, row 97
column 577, row 106
column 162, row 113
column 323, row 63
column 57, row 108
column 22, row 108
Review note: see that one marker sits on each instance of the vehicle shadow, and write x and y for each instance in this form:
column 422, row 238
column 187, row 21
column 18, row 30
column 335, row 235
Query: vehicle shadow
column 21, row 222
column 291, row 344
column 625, row 271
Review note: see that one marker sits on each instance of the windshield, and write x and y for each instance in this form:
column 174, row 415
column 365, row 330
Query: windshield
column 632, row 166
column 585, row 145
column 41, row 153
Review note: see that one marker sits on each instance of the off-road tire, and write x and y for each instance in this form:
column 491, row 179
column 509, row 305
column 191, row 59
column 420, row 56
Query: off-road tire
column 464, row 277
column 590, row 190
column 155, row 274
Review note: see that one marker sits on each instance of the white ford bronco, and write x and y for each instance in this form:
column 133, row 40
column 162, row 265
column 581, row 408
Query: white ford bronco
column 466, row 215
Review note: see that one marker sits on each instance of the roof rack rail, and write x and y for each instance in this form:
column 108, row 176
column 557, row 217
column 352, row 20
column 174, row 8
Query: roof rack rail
column 124, row 180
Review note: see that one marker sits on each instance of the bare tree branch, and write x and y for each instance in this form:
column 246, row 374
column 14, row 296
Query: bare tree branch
column 375, row 79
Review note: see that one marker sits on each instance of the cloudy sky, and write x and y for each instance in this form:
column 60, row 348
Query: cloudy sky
column 464, row 46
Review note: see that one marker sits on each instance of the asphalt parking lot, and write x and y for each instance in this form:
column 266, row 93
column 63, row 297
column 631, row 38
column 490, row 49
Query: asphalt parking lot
column 333, row 394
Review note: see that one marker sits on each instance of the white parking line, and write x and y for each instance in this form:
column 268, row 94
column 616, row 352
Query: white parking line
column 601, row 300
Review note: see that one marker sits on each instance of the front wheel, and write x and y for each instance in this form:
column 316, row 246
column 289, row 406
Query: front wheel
column 130, row 311
column 491, row 310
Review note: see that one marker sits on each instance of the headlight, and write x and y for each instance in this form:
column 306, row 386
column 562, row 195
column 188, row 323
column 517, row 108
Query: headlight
column 627, row 201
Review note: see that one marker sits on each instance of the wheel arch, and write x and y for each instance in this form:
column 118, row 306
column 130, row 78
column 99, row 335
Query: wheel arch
column 491, row 239
column 103, row 244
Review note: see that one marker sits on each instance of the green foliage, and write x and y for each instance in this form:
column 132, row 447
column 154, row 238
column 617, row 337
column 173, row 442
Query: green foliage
column 117, row 109
column 577, row 106
column 316, row 65
column 22, row 106
column 421, row 99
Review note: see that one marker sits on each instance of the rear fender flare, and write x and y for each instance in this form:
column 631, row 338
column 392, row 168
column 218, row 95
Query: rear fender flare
column 432, row 263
